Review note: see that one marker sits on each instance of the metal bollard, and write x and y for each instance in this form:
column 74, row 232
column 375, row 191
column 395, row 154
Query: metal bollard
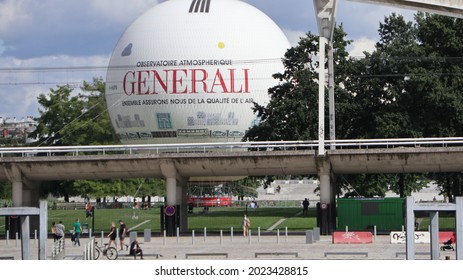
column 316, row 234
column 132, row 236
column 309, row 237
column 193, row 237
column 147, row 235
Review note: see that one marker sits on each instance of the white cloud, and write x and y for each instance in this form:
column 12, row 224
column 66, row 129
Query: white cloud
column 11, row 14
column 120, row 10
column 361, row 45
column 22, row 81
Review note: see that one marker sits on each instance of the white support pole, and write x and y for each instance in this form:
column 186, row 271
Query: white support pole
column 25, row 238
column 434, row 218
column 459, row 227
column 410, row 233
column 321, row 97
column 332, row 117
column 43, row 229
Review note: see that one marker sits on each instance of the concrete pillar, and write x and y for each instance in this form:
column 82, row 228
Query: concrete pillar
column 14, row 175
column 17, row 193
column 325, row 187
column 171, row 191
column 176, row 192
column 326, row 197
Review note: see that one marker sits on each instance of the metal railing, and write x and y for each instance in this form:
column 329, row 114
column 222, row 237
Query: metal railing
column 229, row 146
column 58, row 251
column 89, row 250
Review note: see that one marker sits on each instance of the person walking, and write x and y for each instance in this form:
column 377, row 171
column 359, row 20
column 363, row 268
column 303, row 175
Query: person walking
column 53, row 231
column 246, row 223
column 305, row 207
column 60, row 229
column 122, row 233
column 112, row 235
column 77, row 231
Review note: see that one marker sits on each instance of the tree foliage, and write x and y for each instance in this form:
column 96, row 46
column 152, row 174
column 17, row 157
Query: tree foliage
column 409, row 86
column 68, row 118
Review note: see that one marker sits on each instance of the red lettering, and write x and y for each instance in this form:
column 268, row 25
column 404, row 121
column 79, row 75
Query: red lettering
column 183, row 81
column 246, row 80
column 195, row 80
column 160, row 81
column 132, row 84
column 221, row 82
column 176, row 80
column 142, row 82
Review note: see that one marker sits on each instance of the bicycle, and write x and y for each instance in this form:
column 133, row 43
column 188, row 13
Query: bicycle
column 109, row 252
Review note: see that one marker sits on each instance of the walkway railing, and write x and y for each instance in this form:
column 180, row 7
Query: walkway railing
column 89, row 249
column 229, row 146
column 58, row 251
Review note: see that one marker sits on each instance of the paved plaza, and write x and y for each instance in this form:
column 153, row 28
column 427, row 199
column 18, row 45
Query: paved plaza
column 268, row 246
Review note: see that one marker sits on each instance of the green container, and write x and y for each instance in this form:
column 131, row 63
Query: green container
column 387, row 214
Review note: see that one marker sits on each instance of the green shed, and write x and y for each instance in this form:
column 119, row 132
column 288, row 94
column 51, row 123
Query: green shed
column 387, row 214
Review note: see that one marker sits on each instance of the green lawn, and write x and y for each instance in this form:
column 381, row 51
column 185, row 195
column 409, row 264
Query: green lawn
column 217, row 219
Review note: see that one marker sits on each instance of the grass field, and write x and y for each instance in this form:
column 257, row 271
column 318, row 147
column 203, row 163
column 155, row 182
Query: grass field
column 215, row 220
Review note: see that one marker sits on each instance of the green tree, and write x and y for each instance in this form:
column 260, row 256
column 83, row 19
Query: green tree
column 68, row 118
column 441, row 84
column 291, row 113
column 74, row 119
column 5, row 190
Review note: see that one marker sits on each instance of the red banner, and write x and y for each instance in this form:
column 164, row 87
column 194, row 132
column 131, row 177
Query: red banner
column 445, row 236
column 352, row 237
column 210, row 201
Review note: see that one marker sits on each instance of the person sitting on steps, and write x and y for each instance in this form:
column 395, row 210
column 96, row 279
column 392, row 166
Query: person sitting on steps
column 135, row 250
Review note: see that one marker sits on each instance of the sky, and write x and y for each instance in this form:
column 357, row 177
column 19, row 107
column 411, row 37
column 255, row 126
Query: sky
column 54, row 42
